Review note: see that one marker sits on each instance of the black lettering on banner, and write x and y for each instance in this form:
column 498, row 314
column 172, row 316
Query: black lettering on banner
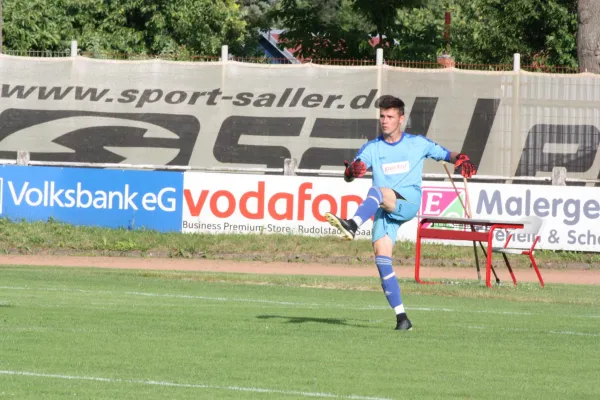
column 176, row 97
column 480, row 128
column 149, row 96
column 128, row 96
column 78, row 132
column 57, row 92
column 92, row 93
column 243, row 99
column 212, row 97
column 265, row 100
column 316, row 157
column 363, row 101
column 19, row 90
column 195, row 96
column 228, row 150
column 547, row 146
column 421, row 115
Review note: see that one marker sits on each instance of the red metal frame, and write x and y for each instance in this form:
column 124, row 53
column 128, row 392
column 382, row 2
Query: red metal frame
column 472, row 236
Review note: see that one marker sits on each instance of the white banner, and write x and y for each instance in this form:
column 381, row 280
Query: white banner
column 257, row 204
column 246, row 115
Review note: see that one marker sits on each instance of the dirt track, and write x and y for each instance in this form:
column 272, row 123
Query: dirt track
column 578, row 276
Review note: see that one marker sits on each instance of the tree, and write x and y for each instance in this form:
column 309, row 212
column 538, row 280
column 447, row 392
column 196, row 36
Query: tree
column 542, row 31
column 323, row 28
column 28, row 27
column 491, row 31
column 256, row 12
column 383, row 15
column 588, row 36
column 128, row 26
column 256, row 15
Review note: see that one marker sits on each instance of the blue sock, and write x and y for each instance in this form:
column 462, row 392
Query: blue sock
column 389, row 283
column 369, row 206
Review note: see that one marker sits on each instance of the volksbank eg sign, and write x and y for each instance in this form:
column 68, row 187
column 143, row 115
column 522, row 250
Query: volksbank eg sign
column 82, row 196
column 121, row 199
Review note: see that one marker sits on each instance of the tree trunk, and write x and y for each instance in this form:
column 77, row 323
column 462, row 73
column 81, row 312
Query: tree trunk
column 588, row 35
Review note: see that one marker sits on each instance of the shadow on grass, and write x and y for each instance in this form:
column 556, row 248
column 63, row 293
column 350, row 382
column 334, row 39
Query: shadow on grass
column 301, row 320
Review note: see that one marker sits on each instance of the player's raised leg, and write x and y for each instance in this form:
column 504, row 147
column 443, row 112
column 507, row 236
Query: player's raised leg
column 376, row 197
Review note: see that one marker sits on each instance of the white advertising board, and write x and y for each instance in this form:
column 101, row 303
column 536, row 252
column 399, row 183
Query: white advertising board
column 259, row 204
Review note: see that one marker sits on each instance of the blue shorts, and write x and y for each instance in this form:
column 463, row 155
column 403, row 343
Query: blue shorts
column 386, row 223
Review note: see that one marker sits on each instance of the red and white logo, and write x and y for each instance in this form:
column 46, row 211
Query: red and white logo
column 396, row 168
column 442, row 202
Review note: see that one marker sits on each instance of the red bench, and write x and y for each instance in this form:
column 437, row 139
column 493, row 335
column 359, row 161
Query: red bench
column 481, row 230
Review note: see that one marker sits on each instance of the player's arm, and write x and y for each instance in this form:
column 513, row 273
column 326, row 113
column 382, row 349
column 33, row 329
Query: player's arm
column 460, row 160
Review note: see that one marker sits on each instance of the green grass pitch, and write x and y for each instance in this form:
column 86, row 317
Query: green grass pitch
column 109, row 334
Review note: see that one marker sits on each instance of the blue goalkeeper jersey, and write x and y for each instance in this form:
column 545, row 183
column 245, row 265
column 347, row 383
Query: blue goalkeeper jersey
column 399, row 165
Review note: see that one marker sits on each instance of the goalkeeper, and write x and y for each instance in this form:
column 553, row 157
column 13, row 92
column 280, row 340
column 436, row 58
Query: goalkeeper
column 396, row 160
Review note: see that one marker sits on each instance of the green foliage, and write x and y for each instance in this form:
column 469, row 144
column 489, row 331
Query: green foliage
column 323, row 28
column 26, row 25
column 128, row 26
column 383, row 15
column 542, row 31
column 256, row 16
column 482, row 31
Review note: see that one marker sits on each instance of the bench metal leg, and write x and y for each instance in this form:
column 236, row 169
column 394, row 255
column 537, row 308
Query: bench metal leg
column 477, row 262
column 491, row 266
column 512, row 275
column 535, row 267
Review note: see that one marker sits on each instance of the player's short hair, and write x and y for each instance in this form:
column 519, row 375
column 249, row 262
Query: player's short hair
column 389, row 101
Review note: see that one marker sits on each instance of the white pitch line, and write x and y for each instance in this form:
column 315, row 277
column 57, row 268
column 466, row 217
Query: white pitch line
column 192, row 385
column 283, row 303
column 574, row 333
column 480, row 327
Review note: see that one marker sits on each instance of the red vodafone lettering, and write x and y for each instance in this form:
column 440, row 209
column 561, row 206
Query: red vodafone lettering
column 260, row 200
column 302, row 197
column 316, row 206
column 230, row 207
column 289, row 206
column 195, row 207
column 280, row 206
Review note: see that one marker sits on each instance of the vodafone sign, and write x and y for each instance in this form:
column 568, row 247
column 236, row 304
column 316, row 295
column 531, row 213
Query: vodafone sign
column 238, row 203
column 266, row 204
column 263, row 204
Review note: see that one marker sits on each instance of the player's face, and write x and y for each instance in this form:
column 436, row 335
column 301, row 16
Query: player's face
column 390, row 120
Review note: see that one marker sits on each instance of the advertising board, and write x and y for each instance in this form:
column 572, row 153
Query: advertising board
column 96, row 197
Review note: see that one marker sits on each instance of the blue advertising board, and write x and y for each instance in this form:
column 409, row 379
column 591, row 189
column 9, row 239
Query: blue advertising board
column 94, row 197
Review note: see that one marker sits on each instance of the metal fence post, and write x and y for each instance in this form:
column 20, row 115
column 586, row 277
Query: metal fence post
column 224, row 53
column 23, row 157
column 559, row 176
column 289, row 166
column 379, row 63
column 515, row 137
column 379, row 57
column 517, row 62
column 74, row 48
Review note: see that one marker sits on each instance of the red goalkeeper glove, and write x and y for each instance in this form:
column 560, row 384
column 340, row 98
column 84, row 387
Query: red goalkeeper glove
column 467, row 168
column 356, row 169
